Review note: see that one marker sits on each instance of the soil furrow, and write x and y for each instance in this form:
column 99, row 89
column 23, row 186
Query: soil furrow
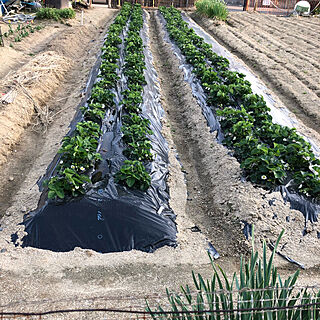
column 291, row 91
column 284, row 67
column 283, row 24
column 284, row 40
column 297, row 64
column 192, row 138
column 294, row 66
column 275, row 29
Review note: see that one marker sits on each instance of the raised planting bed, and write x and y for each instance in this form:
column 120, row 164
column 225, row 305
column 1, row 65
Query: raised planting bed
column 106, row 190
column 271, row 155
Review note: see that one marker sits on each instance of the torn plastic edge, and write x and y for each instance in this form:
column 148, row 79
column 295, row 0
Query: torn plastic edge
column 298, row 202
column 247, row 229
column 280, row 116
column 300, row 265
column 213, row 251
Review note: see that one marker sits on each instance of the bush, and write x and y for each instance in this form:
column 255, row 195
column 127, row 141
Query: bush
column 56, row 14
column 213, row 9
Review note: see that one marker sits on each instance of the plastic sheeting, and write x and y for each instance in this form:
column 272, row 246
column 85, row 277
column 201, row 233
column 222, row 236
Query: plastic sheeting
column 280, row 116
column 298, row 202
column 111, row 217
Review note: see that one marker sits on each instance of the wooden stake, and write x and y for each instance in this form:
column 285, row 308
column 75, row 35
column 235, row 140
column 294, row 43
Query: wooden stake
column 246, row 5
column 1, row 38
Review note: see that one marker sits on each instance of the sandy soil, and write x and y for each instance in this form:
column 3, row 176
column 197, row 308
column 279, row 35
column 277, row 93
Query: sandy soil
column 205, row 189
column 283, row 52
column 59, row 56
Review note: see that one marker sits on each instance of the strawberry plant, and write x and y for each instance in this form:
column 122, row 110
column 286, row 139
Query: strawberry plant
column 132, row 100
column 133, row 118
column 102, row 95
column 69, row 182
column 80, row 152
column 135, row 132
column 134, row 175
column 94, row 112
column 139, row 150
column 264, row 166
column 88, row 129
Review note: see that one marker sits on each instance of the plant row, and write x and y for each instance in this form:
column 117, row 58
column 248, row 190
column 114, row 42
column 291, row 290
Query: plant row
column 270, row 154
column 21, row 31
column 135, row 128
column 55, row 14
column 216, row 9
column 79, row 152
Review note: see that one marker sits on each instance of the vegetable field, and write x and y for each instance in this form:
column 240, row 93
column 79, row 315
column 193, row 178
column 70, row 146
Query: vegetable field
column 172, row 147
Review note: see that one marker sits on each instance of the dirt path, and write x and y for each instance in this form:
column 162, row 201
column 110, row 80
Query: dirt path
column 205, row 191
column 283, row 52
column 195, row 148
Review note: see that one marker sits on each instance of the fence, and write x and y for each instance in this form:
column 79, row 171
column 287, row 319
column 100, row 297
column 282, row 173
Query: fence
column 277, row 7
column 151, row 3
column 299, row 303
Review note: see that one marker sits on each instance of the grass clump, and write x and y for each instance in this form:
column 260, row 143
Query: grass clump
column 213, row 9
column 258, row 287
column 55, row 14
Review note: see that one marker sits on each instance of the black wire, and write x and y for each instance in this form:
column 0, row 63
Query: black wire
column 158, row 312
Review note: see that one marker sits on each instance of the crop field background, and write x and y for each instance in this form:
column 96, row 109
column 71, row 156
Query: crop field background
column 284, row 52
column 47, row 73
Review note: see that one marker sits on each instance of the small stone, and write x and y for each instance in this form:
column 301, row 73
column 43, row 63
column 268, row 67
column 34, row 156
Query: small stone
column 195, row 229
column 11, row 178
column 309, row 228
column 8, row 214
column 23, row 209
